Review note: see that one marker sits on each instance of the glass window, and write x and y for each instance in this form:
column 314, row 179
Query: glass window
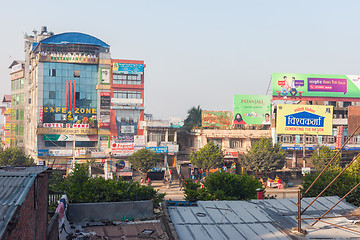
column 52, row 72
column 52, row 94
column 55, row 144
column 77, row 73
column 235, row 143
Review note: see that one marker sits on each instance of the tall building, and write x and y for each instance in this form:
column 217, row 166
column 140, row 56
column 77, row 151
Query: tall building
column 17, row 77
column 72, row 109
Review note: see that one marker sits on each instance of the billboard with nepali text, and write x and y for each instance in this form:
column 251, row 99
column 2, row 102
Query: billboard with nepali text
column 291, row 86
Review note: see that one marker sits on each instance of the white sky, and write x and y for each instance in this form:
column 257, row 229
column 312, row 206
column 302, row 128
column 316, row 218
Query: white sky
column 198, row 52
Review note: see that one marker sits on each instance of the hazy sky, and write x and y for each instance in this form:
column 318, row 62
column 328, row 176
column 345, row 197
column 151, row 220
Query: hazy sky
column 199, row 52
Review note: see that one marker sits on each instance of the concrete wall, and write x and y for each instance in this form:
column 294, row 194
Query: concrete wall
column 112, row 211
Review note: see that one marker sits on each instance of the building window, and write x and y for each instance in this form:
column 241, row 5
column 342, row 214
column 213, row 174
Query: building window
column 127, row 94
column 52, row 72
column 235, row 143
column 77, row 95
column 128, row 79
column 52, row 94
column 55, row 144
column 77, row 73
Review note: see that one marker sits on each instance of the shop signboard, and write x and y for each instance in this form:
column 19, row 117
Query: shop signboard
column 103, row 143
column 128, row 68
column 105, row 100
column 61, row 152
column 324, row 87
column 304, row 119
column 139, row 141
column 172, row 148
column 43, row 152
column 161, row 149
column 66, row 131
column 99, row 155
column 122, row 149
column 216, row 118
column 127, row 129
column 68, row 58
column 339, row 136
column 53, row 125
column 252, row 109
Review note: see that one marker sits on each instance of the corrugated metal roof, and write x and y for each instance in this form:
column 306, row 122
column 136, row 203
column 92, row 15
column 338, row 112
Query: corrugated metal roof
column 15, row 184
column 255, row 219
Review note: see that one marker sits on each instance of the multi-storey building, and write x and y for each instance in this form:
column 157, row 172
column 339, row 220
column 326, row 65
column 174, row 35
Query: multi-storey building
column 63, row 75
column 17, row 77
column 6, row 125
column 74, row 99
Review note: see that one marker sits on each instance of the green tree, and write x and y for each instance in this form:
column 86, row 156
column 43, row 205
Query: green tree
column 340, row 187
column 143, row 160
column 15, row 156
column 193, row 119
column 263, row 157
column 322, row 158
column 81, row 188
column 208, row 157
column 223, row 186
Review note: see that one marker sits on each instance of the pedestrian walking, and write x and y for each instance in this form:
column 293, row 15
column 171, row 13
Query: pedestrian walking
column 149, row 181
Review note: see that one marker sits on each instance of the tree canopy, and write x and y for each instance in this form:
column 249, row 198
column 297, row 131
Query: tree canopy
column 143, row 160
column 15, row 156
column 193, row 119
column 263, row 157
column 223, row 186
column 340, row 187
column 80, row 187
column 322, row 158
column 208, row 157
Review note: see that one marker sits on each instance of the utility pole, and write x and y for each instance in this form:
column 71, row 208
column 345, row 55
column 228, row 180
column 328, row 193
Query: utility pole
column 304, row 149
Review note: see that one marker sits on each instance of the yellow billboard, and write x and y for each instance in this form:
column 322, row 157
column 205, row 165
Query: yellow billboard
column 304, row 119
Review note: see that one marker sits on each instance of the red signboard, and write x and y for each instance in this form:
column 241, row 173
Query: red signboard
column 105, row 94
column 339, row 136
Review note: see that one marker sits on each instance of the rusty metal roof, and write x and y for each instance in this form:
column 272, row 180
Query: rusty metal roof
column 15, row 184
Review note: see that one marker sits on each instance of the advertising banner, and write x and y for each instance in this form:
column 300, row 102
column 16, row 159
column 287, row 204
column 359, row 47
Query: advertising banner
column 339, row 137
column 159, row 149
column 128, row 68
column 122, row 149
column 252, row 109
column 315, row 87
column 304, row 119
column 216, row 118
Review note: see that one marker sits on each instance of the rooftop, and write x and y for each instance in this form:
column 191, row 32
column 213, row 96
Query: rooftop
column 74, row 38
column 15, row 183
column 261, row 219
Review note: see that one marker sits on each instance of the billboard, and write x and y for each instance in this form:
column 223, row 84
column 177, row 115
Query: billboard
column 315, row 87
column 304, row 119
column 128, row 68
column 216, row 118
column 252, row 109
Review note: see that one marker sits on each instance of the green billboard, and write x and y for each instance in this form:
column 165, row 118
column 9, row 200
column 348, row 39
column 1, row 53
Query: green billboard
column 326, row 87
column 252, row 109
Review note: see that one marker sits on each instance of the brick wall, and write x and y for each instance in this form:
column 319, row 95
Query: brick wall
column 31, row 219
